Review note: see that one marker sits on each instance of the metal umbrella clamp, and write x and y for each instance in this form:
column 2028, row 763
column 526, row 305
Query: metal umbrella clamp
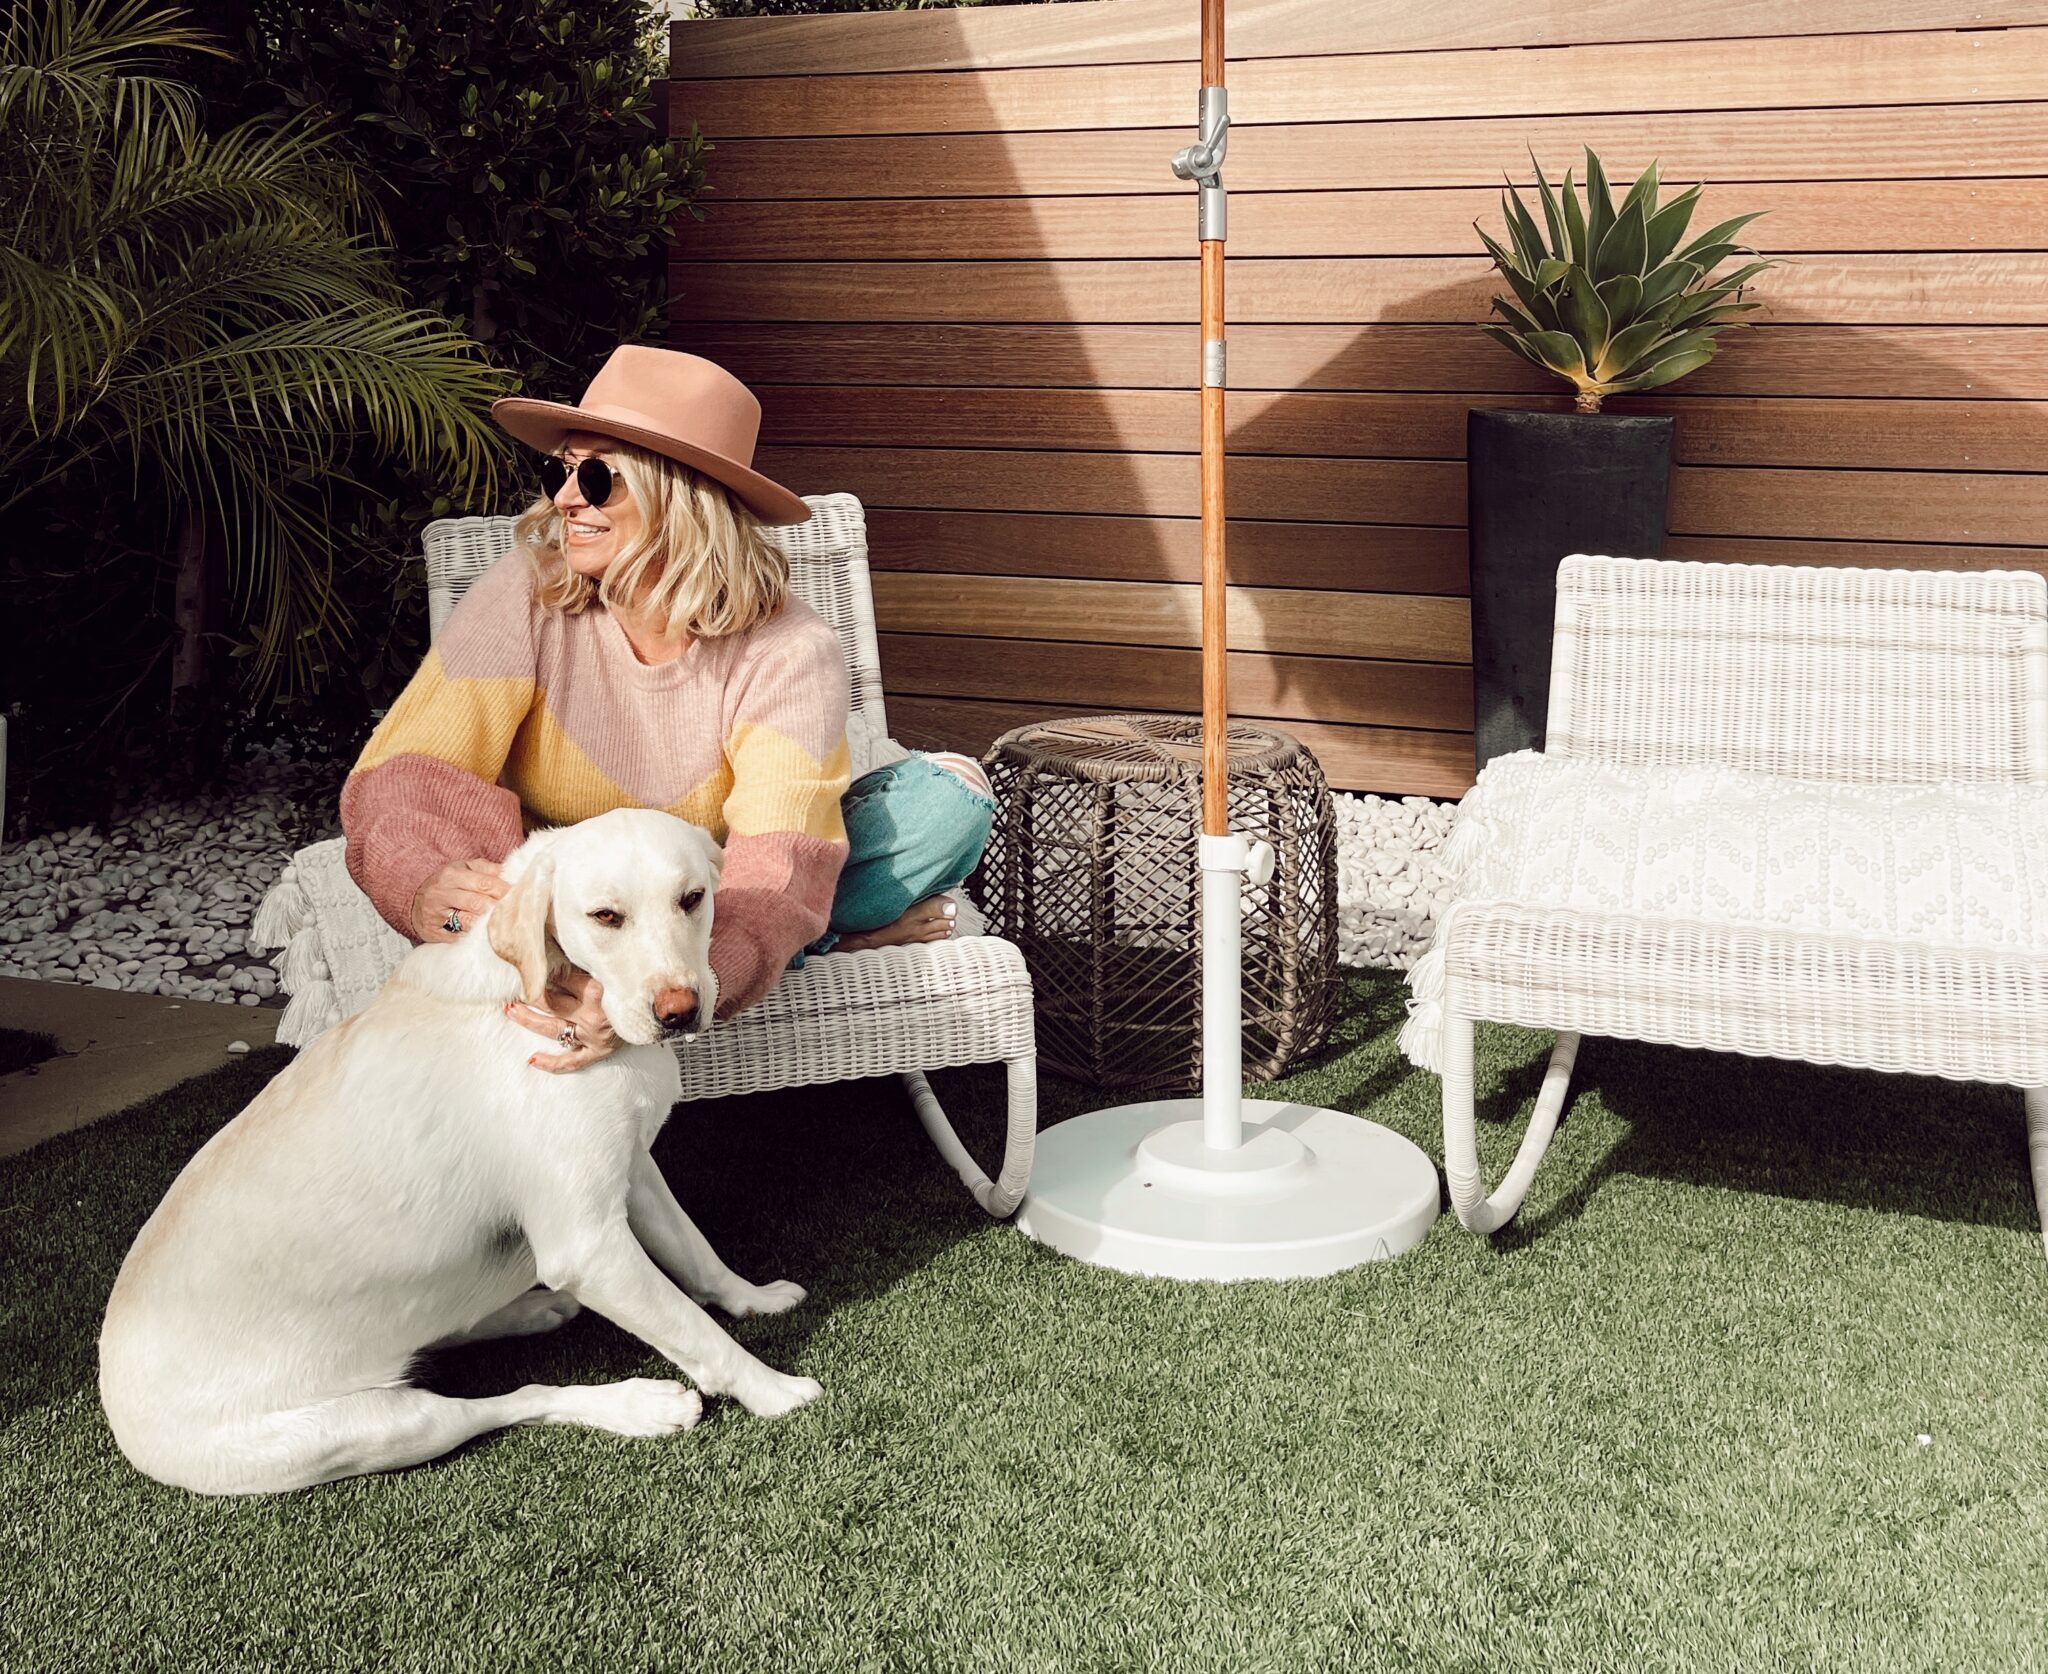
column 1222, row 1187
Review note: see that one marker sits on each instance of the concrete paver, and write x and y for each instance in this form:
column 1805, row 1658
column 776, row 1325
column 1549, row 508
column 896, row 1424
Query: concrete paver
column 118, row 1049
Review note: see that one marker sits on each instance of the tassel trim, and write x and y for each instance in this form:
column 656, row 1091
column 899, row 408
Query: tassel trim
column 313, row 1011
column 1471, row 833
column 285, row 910
column 303, row 961
column 1422, row 1035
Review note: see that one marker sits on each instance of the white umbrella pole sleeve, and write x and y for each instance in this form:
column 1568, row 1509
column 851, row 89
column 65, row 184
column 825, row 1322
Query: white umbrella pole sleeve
column 1227, row 863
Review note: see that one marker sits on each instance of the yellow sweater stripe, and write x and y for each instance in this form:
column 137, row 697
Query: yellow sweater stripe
column 494, row 729
column 559, row 783
column 470, row 723
column 782, row 787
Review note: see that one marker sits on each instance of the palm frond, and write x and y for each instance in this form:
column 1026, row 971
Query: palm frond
column 58, row 332
column 87, row 60
column 211, row 309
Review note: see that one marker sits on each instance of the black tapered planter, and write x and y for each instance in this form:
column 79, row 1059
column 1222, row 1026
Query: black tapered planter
column 1538, row 487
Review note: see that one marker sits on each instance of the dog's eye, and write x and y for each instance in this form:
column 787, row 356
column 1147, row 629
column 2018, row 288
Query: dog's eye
column 692, row 901
column 610, row 917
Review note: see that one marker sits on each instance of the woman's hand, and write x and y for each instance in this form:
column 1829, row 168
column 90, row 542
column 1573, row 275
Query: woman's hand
column 575, row 1006
column 460, row 894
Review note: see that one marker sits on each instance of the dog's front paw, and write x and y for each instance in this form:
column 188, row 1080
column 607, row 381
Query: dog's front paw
column 640, row 1407
column 771, row 1394
column 778, row 1296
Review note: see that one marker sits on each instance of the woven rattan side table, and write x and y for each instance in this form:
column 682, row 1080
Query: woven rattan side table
column 1091, row 869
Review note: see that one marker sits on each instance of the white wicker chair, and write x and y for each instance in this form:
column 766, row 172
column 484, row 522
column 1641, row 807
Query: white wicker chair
column 1594, row 895
column 888, row 1011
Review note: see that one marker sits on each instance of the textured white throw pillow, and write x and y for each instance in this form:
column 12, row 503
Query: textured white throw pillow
column 1947, row 865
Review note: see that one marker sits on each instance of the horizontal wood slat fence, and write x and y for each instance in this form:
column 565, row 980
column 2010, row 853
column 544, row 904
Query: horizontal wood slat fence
column 946, row 249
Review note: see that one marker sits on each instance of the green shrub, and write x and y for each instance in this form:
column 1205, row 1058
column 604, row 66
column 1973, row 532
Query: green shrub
column 511, row 158
column 198, row 335
column 519, row 147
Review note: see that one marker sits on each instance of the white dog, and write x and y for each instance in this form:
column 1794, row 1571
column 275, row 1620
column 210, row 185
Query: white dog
column 406, row 1181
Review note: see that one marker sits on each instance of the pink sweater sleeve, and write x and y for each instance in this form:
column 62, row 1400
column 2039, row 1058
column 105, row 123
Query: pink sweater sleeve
column 785, row 727
column 410, row 817
column 425, row 791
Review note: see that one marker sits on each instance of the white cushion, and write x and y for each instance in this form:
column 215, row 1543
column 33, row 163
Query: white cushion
column 1956, row 865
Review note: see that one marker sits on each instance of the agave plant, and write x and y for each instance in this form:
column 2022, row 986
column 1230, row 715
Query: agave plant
column 1605, row 297
column 208, row 317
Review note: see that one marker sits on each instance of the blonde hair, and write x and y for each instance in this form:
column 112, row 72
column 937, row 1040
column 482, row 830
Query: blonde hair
column 703, row 564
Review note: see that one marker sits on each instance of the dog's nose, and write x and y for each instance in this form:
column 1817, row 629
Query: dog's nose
column 675, row 1009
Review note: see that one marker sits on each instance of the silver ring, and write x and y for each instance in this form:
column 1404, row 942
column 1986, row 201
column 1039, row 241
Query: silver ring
column 453, row 923
column 567, row 1038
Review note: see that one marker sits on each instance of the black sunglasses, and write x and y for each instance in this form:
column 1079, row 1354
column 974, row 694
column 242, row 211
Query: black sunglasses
column 593, row 476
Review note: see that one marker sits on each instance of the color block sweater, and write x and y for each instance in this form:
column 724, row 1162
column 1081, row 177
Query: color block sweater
column 523, row 716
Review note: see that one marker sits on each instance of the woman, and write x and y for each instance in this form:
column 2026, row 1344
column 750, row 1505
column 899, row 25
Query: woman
column 639, row 647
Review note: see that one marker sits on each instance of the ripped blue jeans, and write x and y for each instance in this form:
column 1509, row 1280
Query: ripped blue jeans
column 913, row 830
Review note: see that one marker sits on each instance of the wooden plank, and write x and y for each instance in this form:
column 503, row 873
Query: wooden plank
column 1336, row 557
column 1341, row 689
column 1942, row 142
column 1870, row 435
column 1826, row 216
column 1157, row 31
column 1912, row 289
column 1282, row 620
column 1807, row 71
column 1793, row 360
column 1127, row 485
column 1954, row 507
column 1907, row 361
column 1332, row 557
column 1873, row 434
column 1386, row 761
column 1891, row 555
column 1151, row 421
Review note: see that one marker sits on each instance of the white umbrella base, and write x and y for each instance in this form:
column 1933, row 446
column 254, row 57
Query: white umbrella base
column 1310, row 1192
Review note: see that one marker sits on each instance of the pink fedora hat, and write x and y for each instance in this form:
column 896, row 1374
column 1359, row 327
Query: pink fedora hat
column 680, row 406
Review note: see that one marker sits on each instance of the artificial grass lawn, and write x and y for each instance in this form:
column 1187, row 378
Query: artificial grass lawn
column 1669, row 1421
column 19, row 1048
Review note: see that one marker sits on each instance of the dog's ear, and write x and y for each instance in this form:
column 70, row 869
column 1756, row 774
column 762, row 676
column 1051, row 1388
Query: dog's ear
column 518, row 927
column 714, row 855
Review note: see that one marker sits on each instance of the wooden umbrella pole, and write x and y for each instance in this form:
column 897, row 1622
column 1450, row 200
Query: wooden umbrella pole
column 1215, row 569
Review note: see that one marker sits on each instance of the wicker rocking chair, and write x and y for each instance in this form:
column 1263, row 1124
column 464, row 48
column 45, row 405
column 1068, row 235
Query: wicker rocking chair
column 1785, row 811
column 887, row 1011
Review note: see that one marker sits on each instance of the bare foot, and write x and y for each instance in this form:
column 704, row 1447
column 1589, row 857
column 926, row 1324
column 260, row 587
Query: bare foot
column 931, row 920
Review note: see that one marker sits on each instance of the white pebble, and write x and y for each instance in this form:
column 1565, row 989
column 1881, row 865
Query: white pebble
column 1388, row 880
column 238, row 1046
column 162, row 888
